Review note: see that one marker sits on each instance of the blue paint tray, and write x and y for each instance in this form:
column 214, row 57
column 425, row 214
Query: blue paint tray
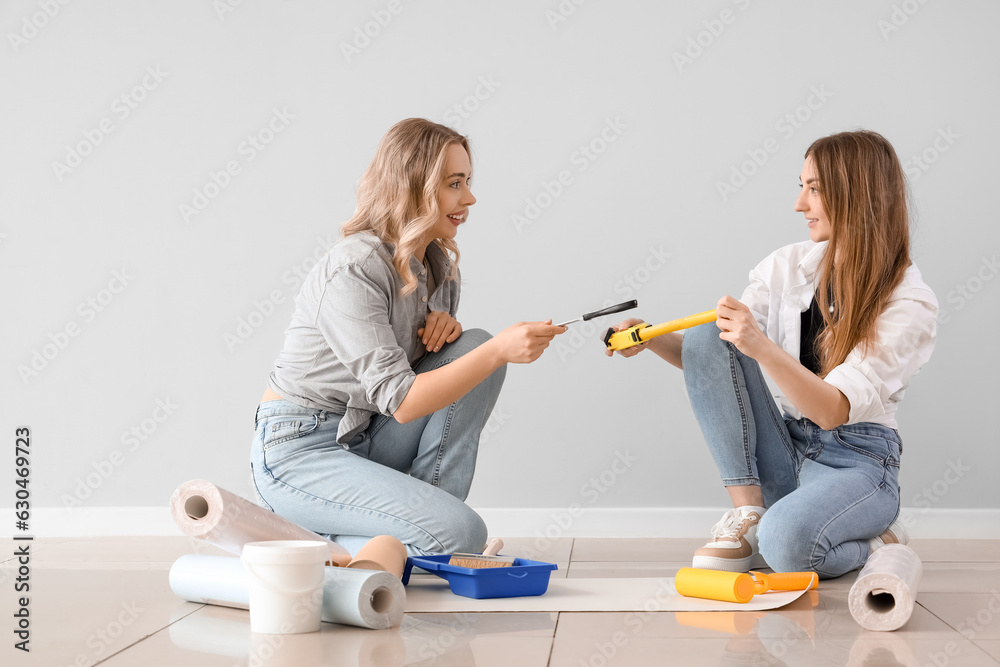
column 523, row 578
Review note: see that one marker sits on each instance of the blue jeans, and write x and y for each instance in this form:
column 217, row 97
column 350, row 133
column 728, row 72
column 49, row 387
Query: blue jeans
column 826, row 492
column 405, row 480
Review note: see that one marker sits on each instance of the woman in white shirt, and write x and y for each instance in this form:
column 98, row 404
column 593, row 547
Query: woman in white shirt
column 839, row 323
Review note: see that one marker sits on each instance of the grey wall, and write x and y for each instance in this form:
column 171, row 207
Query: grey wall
column 123, row 311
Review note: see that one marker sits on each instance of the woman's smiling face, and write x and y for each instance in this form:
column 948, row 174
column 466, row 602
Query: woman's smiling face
column 810, row 203
column 454, row 195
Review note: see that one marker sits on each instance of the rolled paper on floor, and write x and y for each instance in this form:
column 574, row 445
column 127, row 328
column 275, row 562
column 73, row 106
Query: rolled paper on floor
column 382, row 552
column 883, row 596
column 207, row 512
column 362, row 598
column 714, row 584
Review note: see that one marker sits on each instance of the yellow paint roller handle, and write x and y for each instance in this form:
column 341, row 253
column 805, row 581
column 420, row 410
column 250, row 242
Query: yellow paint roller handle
column 714, row 584
column 640, row 333
column 785, row 581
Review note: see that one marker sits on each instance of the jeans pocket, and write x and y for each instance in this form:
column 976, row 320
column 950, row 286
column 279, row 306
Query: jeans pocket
column 860, row 441
column 283, row 428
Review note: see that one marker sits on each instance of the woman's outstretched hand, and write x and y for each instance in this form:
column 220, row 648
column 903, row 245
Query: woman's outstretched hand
column 524, row 342
column 628, row 351
column 739, row 327
column 439, row 329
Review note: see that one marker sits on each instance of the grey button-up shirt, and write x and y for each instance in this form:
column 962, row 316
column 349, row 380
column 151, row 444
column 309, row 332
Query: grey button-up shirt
column 352, row 343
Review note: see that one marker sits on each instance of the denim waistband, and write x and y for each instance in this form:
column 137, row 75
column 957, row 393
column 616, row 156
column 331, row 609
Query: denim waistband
column 861, row 428
column 286, row 407
column 871, row 428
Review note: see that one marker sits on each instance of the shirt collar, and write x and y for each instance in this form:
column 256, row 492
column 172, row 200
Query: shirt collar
column 436, row 258
column 809, row 264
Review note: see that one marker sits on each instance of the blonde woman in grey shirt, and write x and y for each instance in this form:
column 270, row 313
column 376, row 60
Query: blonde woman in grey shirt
column 371, row 419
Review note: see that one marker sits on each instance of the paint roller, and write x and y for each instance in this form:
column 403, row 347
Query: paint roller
column 739, row 586
column 640, row 333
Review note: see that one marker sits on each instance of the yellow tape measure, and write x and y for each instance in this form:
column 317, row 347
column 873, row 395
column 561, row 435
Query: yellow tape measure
column 640, row 333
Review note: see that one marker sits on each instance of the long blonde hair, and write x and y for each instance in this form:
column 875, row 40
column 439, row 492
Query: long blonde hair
column 398, row 193
column 863, row 191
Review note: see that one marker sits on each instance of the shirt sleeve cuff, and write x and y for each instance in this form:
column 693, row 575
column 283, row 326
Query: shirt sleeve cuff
column 387, row 379
column 864, row 400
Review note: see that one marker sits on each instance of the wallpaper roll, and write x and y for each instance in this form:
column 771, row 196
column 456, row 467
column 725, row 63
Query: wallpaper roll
column 205, row 511
column 883, row 596
column 362, row 598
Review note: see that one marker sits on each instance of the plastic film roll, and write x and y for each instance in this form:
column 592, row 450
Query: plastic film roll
column 714, row 584
column 883, row 596
column 362, row 598
column 205, row 511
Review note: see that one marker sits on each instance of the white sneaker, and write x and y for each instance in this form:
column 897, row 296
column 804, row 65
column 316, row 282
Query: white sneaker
column 734, row 547
column 894, row 534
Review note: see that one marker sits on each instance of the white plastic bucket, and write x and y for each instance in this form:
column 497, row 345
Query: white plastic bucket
column 286, row 585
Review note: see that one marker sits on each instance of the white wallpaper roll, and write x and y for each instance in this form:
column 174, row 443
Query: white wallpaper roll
column 883, row 596
column 205, row 511
column 362, row 598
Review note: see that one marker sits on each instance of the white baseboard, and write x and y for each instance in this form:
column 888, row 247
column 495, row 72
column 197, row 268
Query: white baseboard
column 698, row 521
column 515, row 522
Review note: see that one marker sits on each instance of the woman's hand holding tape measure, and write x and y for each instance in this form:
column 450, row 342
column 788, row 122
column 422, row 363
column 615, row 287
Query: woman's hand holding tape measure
column 629, row 337
column 624, row 325
column 738, row 326
column 625, row 338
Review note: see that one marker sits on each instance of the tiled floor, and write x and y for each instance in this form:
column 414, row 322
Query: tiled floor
column 107, row 601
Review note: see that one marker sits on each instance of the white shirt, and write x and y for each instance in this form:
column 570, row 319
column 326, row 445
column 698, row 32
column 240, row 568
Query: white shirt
column 782, row 286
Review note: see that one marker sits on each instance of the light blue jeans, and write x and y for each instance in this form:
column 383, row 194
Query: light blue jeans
column 826, row 492
column 405, row 480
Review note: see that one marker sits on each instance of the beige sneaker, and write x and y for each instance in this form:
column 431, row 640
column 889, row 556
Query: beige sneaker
column 734, row 547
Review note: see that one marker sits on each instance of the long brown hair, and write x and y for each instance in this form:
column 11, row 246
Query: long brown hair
column 398, row 193
column 863, row 191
